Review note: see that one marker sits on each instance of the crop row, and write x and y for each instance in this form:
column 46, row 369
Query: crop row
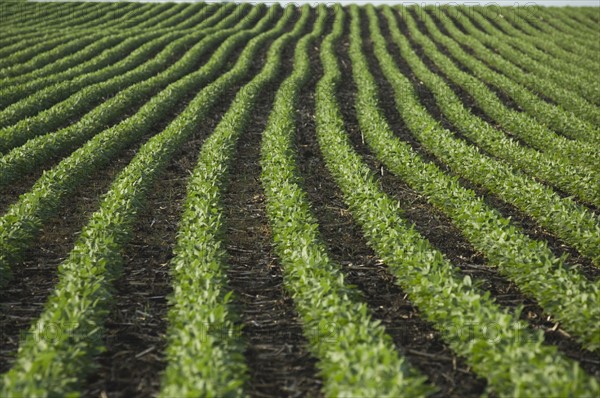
column 51, row 29
column 98, row 84
column 214, row 366
column 109, row 24
column 53, row 14
column 37, row 151
column 554, row 164
column 21, row 223
column 529, row 263
column 27, row 12
column 322, row 298
column 546, row 26
column 87, row 98
column 69, row 59
column 83, row 292
column 109, row 15
column 548, row 166
column 510, row 63
column 579, row 40
column 572, row 222
column 444, row 297
column 90, row 96
column 512, row 120
column 23, row 85
column 530, row 58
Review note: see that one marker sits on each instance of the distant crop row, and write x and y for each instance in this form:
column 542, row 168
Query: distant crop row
column 510, row 119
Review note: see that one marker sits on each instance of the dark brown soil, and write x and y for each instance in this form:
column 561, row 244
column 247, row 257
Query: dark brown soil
column 16, row 188
column 414, row 337
column 439, row 230
column 277, row 354
column 33, row 282
column 135, row 336
column 529, row 226
column 278, row 360
column 23, row 299
column 136, row 327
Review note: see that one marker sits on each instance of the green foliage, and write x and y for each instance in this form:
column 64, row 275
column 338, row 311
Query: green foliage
column 20, row 225
column 85, row 81
column 83, row 293
column 526, row 55
column 213, row 364
column 333, row 317
column 529, row 263
column 550, row 165
column 567, row 219
column 516, row 362
column 575, row 117
column 96, row 86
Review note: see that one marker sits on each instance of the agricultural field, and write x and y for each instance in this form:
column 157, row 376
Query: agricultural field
column 220, row 199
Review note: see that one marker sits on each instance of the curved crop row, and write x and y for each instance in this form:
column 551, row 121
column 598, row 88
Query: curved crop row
column 533, row 25
column 185, row 12
column 57, row 53
column 529, row 263
column 511, row 364
column 102, row 53
column 107, row 22
column 546, row 44
column 149, row 32
column 106, row 18
column 558, row 119
column 20, row 225
column 95, row 85
column 67, row 55
column 573, row 21
column 201, row 299
column 41, row 100
column 98, row 16
column 101, row 82
column 541, row 48
column 154, row 20
column 83, row 292
column 11, row 47
column 573, row 32
column 35, row 152
column 584, row 26
column 52, row 28
column 30, row 52
column 147, row 19
column 68, row 61
column 82, row 15
column 322, row 299
column 17, row 127
column 570, row 221
column 49, row 119
column 16, row 12
column 553, row 165
column 528, row 57
column 104, row 15
column 522, row 125
column 514, row 67
column 44, row 16
column 16, row 92
column 208, row 12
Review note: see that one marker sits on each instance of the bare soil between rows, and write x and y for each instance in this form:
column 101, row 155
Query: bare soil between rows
column 277, row 354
